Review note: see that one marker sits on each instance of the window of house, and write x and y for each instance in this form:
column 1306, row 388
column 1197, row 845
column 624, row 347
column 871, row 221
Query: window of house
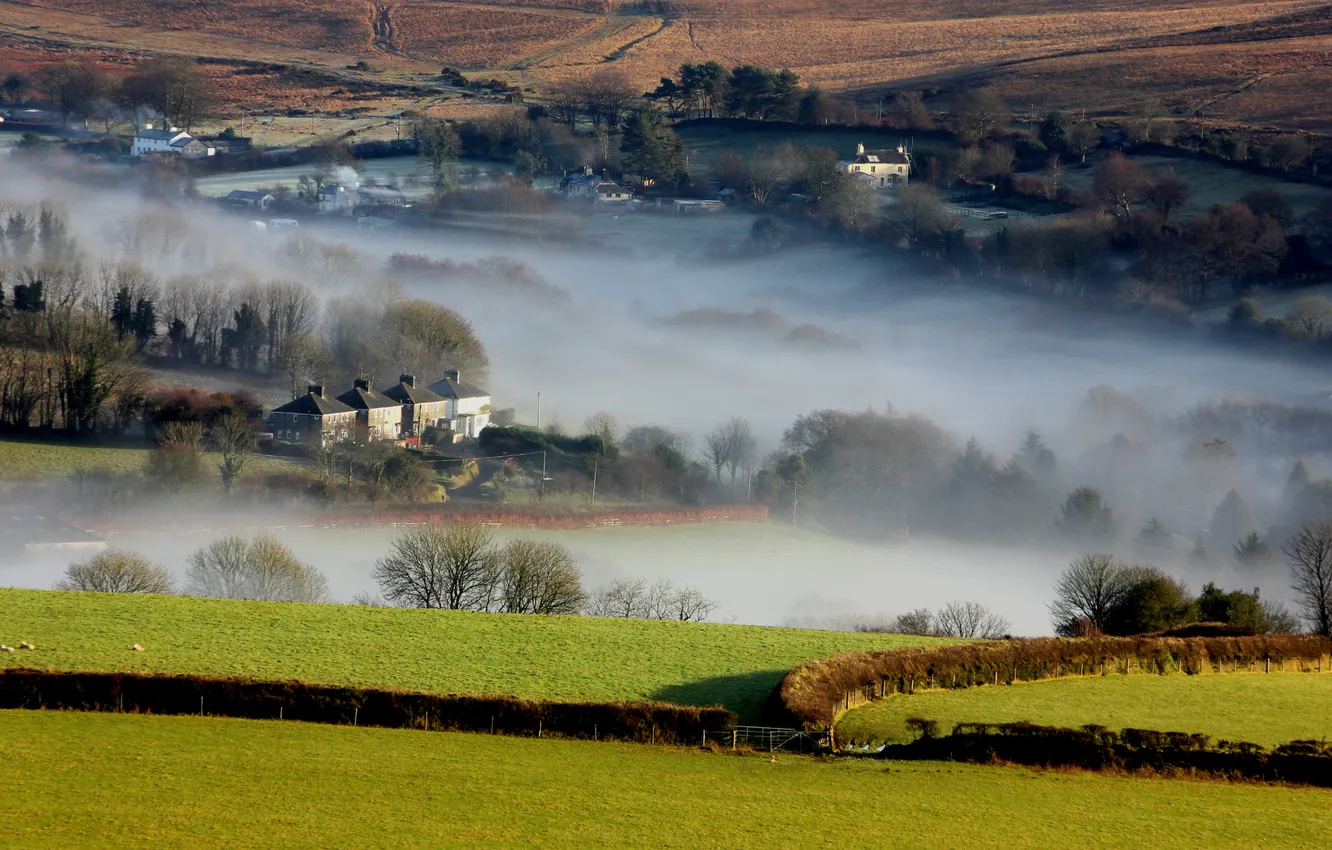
column 871, row 169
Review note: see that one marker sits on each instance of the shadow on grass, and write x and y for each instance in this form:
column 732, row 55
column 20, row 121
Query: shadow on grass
column 752, row 696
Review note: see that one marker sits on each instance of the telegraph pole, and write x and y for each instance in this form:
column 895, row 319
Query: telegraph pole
column 541, row 494
column 539, row 412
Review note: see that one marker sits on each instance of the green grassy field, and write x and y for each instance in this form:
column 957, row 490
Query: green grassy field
column 49, row 459
column 570, row 658
column 1265, row 708
column 83, row 780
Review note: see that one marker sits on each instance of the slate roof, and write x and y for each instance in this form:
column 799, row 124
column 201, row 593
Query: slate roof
column 360, row 398
column 246, row 195
column 449, row 388
column 313, row 405
column 405, row 394
column 890, row 157
column 159, row 135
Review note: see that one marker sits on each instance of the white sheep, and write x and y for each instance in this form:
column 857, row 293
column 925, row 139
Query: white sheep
column 137, row 648
column 26, row 645
column 6, row 649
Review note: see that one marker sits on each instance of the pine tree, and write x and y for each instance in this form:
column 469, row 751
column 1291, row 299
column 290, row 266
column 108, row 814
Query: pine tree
column 1154, row 536
column 1252, row 551
column 122, row 313
column 650, row 149
column 1231, row 522
column 145, row 323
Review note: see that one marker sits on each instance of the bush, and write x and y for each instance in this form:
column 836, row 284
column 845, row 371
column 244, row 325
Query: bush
column 116, row 571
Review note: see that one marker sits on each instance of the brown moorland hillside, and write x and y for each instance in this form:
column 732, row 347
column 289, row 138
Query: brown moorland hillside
column 1242, row 62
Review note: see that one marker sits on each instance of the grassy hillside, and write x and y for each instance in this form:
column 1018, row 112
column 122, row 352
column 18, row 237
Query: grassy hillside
column 1265, row 708
column 45, row 459
column 1252, row 62
column 104, row 779
column 578, row 658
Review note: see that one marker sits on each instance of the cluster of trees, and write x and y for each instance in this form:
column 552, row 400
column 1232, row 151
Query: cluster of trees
column 660, row 600
column 1183, row 479
column 710, row 90
column 967, row 620
column 259, row 568
column 767, row 176
column 173, row 88
column 461, row 567
column 1099, row 594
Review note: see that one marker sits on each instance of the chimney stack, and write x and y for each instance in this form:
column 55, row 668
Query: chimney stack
column 409, row 380
column 860, row 148
column 316, row 389
column 361, row 384
column 452, row 375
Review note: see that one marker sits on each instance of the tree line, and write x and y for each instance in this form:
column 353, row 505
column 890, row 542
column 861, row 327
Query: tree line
column 169, row 87
column 459, row 567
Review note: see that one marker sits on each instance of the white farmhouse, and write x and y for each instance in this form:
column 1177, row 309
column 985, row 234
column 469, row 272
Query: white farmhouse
column 467, row 406
column 336, row 198
column 879, row 169
column 170, row 141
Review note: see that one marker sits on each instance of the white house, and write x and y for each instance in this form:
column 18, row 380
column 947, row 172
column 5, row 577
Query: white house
column 336, row 198
column 883, row 168
column 249, row 198
column 169, row 141
column 466, row 408
column 601, row 190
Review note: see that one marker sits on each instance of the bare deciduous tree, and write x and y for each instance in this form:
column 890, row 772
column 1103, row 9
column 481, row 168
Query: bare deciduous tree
column 117, row 571
column 233, row 439
column 620, row 598
column 1088, row 590
column 453, row 567
column 1310, row 555
column 730, row 446
column 917, row 622
column 660, row 601
column 539, row 578
column 970, row 620
column 261, row 569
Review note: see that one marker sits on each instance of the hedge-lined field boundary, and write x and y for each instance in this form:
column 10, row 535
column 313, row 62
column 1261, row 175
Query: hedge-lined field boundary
column 148, row 693
column 1098, row 748
column 359, row 517
column 817, row 692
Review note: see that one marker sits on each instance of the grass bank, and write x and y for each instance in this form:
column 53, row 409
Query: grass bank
column 98, row 780
column 55, row 459
column 554, row 658
column 1264, row 708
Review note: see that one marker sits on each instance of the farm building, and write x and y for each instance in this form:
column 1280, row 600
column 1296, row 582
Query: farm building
column 250, row 198
column 883, row 168
column 169, row 141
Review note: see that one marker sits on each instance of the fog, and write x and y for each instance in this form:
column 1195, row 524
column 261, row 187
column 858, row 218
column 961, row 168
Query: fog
column 978, row 363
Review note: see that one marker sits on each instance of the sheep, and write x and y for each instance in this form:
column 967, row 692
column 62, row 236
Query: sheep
column 6, row 649
column 137, row 648
column 26, row 645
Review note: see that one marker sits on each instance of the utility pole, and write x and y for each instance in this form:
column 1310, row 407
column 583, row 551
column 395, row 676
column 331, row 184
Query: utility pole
column 539, row 413
column 595, row 463
column 541, row 494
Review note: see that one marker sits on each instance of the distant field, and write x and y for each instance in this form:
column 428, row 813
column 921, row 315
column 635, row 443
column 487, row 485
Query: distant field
column 1254, row 62
column 105, row 779
column 1211, row 184
column 573, row 658
column 40, row 459
column 1266, row 708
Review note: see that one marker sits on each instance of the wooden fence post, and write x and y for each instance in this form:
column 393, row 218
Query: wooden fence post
column 201, row 706
column 705, row 737
column 492, row 724
column 279, row 712
column 356, row 715
column 735, row 735
column 538, row 728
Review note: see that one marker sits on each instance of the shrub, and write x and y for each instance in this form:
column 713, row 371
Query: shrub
column 116, row 571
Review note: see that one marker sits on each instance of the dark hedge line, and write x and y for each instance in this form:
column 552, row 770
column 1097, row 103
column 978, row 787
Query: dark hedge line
column 1097, row 748
column 816, row 692
column 144, row 693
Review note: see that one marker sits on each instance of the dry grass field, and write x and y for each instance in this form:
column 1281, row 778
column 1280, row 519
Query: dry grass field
column 1262, row 63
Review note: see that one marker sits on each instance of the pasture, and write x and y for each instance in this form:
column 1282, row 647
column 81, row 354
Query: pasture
column 1264, row 708
column 1211, row 183
column 558, row 658
column 105, row 779
column 51, row 459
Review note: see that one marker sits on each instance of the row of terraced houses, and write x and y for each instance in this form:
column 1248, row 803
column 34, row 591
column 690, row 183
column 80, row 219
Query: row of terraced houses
column 403, row 411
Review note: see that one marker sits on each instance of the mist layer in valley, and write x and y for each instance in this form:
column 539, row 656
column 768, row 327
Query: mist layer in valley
column 596, row 326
